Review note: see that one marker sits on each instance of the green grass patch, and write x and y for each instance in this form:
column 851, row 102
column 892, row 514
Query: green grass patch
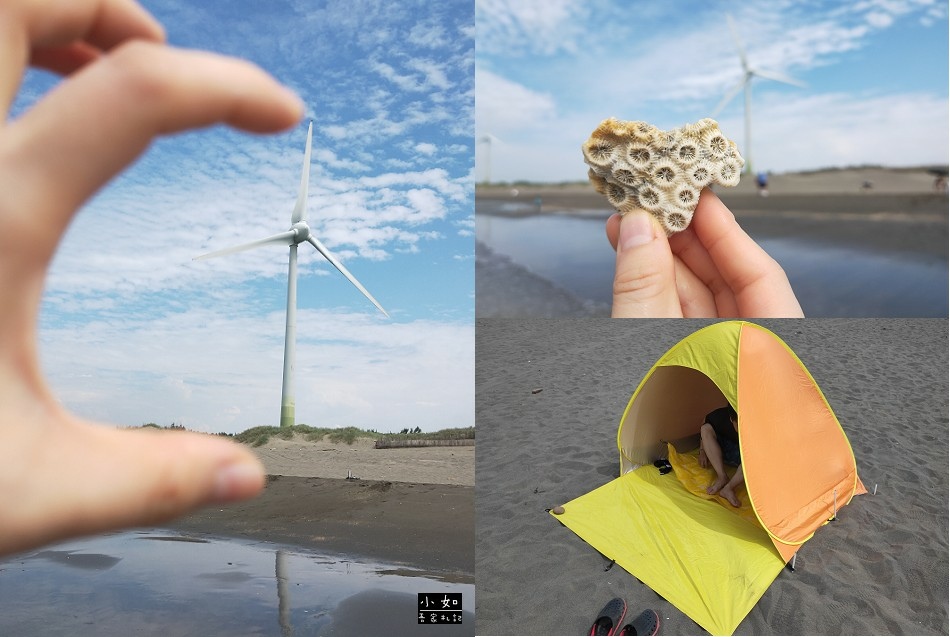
column 456, row 433
column 258, row 436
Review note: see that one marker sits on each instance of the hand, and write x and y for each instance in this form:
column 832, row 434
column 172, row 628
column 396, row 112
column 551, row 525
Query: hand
column 703, row 460
column 711, row 269
column 61, row 476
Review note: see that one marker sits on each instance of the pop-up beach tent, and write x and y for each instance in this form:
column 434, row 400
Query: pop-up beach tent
column 709, row 559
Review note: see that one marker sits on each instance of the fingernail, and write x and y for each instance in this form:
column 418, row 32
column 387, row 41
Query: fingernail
column 636, row 229
column 237, row 481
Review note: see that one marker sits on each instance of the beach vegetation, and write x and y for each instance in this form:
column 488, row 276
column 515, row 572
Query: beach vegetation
column 456, row 433
column 259, row 436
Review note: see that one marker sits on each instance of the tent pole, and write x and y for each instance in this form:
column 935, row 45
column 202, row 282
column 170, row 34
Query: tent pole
column 835, row 517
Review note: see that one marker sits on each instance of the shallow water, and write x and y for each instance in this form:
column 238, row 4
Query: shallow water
column 159, row 583
column 828, row 280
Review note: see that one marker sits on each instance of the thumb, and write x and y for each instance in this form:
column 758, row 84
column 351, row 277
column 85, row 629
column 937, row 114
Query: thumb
column 644, row 282
column 93, row 479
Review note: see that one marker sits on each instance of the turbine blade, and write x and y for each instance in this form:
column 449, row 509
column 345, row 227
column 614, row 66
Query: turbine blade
column 735, row 38
column 728, row 98
column 285, row 238
column 322, row 249
column 300, row 208
column 778, row 77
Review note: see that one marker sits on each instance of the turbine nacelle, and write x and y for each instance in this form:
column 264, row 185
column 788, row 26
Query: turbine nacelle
column 301, row 232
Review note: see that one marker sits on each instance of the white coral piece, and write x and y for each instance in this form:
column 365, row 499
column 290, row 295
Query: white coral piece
column 637, row 165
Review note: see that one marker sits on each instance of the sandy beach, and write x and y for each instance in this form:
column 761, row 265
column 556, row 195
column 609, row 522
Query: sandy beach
column 880, row 569
column 900, row 217
column 406, row 506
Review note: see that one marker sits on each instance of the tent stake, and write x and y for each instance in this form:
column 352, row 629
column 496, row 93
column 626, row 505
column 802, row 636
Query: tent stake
column 794, row 557
column 835, row 516
column 875, row 489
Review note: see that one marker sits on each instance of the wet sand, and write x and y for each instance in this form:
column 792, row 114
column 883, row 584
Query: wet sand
column 880, row 569
column 408, row 506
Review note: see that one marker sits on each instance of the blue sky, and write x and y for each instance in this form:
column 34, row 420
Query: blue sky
column 132, row 330
column 548, row 71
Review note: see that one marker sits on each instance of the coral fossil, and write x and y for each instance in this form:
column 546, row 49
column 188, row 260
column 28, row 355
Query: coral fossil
column 637, row 165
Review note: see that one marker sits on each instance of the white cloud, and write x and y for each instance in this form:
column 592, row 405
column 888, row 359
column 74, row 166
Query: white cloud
column 494, row 113
column 837, row 129
column 543, row 26
column 428, row 34
column 405, row 82
column 328, row 157
column 880, row 20
column 434, row 73
column 427, row 205
column 217, row 370
column 425, row 148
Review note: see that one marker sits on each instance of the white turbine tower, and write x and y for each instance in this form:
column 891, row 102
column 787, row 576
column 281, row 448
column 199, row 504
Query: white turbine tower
column 299, row 233
column 488, row 140
column 745, row 83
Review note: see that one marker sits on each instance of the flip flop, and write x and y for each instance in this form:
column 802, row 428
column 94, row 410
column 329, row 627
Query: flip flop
column 609, row 618
column 663, row 465
column 646, row 623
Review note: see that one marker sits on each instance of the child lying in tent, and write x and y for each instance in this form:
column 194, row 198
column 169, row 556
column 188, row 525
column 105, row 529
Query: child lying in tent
column 719, row 446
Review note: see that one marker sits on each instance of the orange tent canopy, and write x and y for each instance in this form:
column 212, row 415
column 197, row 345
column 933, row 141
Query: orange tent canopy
column 798, row 464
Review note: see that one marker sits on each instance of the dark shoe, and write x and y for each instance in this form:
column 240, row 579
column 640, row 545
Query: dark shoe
column 646, row 623
column 609, row 618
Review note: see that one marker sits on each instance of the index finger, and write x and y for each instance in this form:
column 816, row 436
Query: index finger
column 27, row 26
column 756, row 279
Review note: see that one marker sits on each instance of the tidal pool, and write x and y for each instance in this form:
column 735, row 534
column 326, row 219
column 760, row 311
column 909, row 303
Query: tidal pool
column 829, row 280
column 161, row 583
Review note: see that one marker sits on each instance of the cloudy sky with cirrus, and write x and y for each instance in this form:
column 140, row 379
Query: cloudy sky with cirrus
column 548, row 71
column 133, row 330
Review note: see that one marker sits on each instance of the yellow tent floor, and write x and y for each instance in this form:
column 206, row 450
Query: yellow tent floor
column 706, row 560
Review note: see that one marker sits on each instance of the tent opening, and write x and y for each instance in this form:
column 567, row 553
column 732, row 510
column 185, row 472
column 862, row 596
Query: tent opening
column 670, row 407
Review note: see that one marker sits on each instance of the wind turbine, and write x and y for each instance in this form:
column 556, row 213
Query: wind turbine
column 745, row 83
column 488, row 140
column 299, row 233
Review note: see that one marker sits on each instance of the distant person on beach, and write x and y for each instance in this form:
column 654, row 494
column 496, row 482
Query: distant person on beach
column 711, row 269
column 61, row 476
column 718, row 447
column 762, row 181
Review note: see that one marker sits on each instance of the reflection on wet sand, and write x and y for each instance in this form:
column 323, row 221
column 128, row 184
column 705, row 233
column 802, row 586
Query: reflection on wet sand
column 175, row 585
column 831, row 278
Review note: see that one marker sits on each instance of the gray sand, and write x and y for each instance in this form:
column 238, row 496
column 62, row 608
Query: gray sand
column 880, row 569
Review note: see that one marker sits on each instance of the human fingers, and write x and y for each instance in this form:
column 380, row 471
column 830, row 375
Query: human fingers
column 644, row 280
column 66, row 59
column 90, row 127
column 85, row 478
column 757, row 282
column 691, row 252
column 30, row 25
column 696, row 301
